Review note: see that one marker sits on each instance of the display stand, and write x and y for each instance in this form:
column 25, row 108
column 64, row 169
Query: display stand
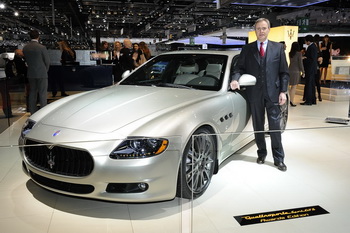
column 340, row 84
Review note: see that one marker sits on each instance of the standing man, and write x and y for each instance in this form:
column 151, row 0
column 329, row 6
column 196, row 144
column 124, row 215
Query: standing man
column 266, row 61
column 310, row 66
column 126, row 52
column 38, row 61
column 117, row 68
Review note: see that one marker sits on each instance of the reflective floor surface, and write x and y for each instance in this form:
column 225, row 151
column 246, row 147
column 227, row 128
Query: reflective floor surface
column 318, row 160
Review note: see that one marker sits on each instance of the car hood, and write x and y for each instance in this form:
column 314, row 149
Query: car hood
column 109, row 109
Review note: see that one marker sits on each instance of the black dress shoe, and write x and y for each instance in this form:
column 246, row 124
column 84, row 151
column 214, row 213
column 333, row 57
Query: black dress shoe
column 291, row 104
column 305, row 103
column 281, row 166
column 64, row 94
column 261, row 160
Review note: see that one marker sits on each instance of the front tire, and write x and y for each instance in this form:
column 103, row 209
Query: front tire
column 197, row 165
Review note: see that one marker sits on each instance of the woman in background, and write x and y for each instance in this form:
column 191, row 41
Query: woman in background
column 145, row 50
column 296, row 69
column 68, row 57
column 326, row 48
column 138, row 56
column 105, row 53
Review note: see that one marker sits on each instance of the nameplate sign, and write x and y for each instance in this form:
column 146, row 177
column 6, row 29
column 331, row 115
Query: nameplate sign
column 280, row 215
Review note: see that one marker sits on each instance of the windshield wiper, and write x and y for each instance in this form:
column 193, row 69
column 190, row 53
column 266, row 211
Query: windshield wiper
column 172, row 85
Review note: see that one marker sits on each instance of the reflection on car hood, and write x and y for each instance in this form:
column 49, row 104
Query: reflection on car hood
column 108, row 109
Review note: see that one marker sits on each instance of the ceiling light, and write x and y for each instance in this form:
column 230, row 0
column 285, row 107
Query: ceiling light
column 2, row 6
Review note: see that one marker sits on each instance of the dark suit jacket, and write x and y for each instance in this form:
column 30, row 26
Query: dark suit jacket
column 277, row 76
column 37, row 58
column 126, row 60
column 310, row 62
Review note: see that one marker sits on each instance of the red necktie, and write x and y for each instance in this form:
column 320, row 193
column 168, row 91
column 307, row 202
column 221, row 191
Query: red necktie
column 262, row 52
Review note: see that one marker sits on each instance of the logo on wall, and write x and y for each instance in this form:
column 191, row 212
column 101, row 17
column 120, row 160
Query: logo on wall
column 290, row 33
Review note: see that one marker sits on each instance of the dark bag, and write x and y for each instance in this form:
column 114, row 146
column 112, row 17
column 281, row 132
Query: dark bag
column 10, row 69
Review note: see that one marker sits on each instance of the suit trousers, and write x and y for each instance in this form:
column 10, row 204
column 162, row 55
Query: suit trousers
column 37, row 87
column 5, row 95
column 309, row 88
column 273, row 111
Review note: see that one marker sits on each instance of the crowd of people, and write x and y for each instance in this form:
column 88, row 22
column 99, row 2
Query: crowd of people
column 32, row 65
column 310, row 63
column 124, row 56
column 128, row 56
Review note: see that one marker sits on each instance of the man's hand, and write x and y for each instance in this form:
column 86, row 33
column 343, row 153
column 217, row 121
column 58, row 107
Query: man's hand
column 234, row 85
column 282, row 98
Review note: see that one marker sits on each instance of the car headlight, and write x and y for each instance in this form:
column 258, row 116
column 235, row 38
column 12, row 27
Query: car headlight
column 139, row 148
column 28, row 125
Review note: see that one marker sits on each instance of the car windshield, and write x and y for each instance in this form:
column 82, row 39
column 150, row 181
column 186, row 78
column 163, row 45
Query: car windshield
column 197, row 71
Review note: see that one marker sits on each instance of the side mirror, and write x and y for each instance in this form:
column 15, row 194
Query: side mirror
column 126, row 74
column 247, row 80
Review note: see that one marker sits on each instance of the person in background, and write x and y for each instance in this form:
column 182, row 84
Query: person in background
column 126, row 52
column 296, row 69
column 5, row 75
column 266, row 60
column 319, row 61
column 104, row 46
column 143, row 46
column 335, row 49
column 284, row 44
column 105, row 53
column 38, row 61
column 138, row 56
column 68, row 57
column 326, row 48
column 22, row 69
column 117, row 68
column 310, row 66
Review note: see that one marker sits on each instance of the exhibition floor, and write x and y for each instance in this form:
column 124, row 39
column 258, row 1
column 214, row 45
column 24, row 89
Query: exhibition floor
column 318, row 160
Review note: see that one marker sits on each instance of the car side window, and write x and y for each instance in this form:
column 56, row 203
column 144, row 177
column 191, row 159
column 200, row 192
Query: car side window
column 234, row 63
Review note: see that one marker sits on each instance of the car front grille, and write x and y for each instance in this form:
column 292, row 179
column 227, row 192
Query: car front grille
column 58, row 159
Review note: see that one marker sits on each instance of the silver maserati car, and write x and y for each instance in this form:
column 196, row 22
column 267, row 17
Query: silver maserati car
column 161, row 132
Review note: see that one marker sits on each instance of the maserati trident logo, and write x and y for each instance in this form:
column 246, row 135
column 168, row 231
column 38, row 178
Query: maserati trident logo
column 56, row 133
column 50, row 158
column 290, row 33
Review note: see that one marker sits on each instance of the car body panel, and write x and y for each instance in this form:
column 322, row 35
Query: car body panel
column 98, row 121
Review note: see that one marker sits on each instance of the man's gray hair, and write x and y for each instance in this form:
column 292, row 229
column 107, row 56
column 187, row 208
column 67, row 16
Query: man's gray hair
column 262, row 20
